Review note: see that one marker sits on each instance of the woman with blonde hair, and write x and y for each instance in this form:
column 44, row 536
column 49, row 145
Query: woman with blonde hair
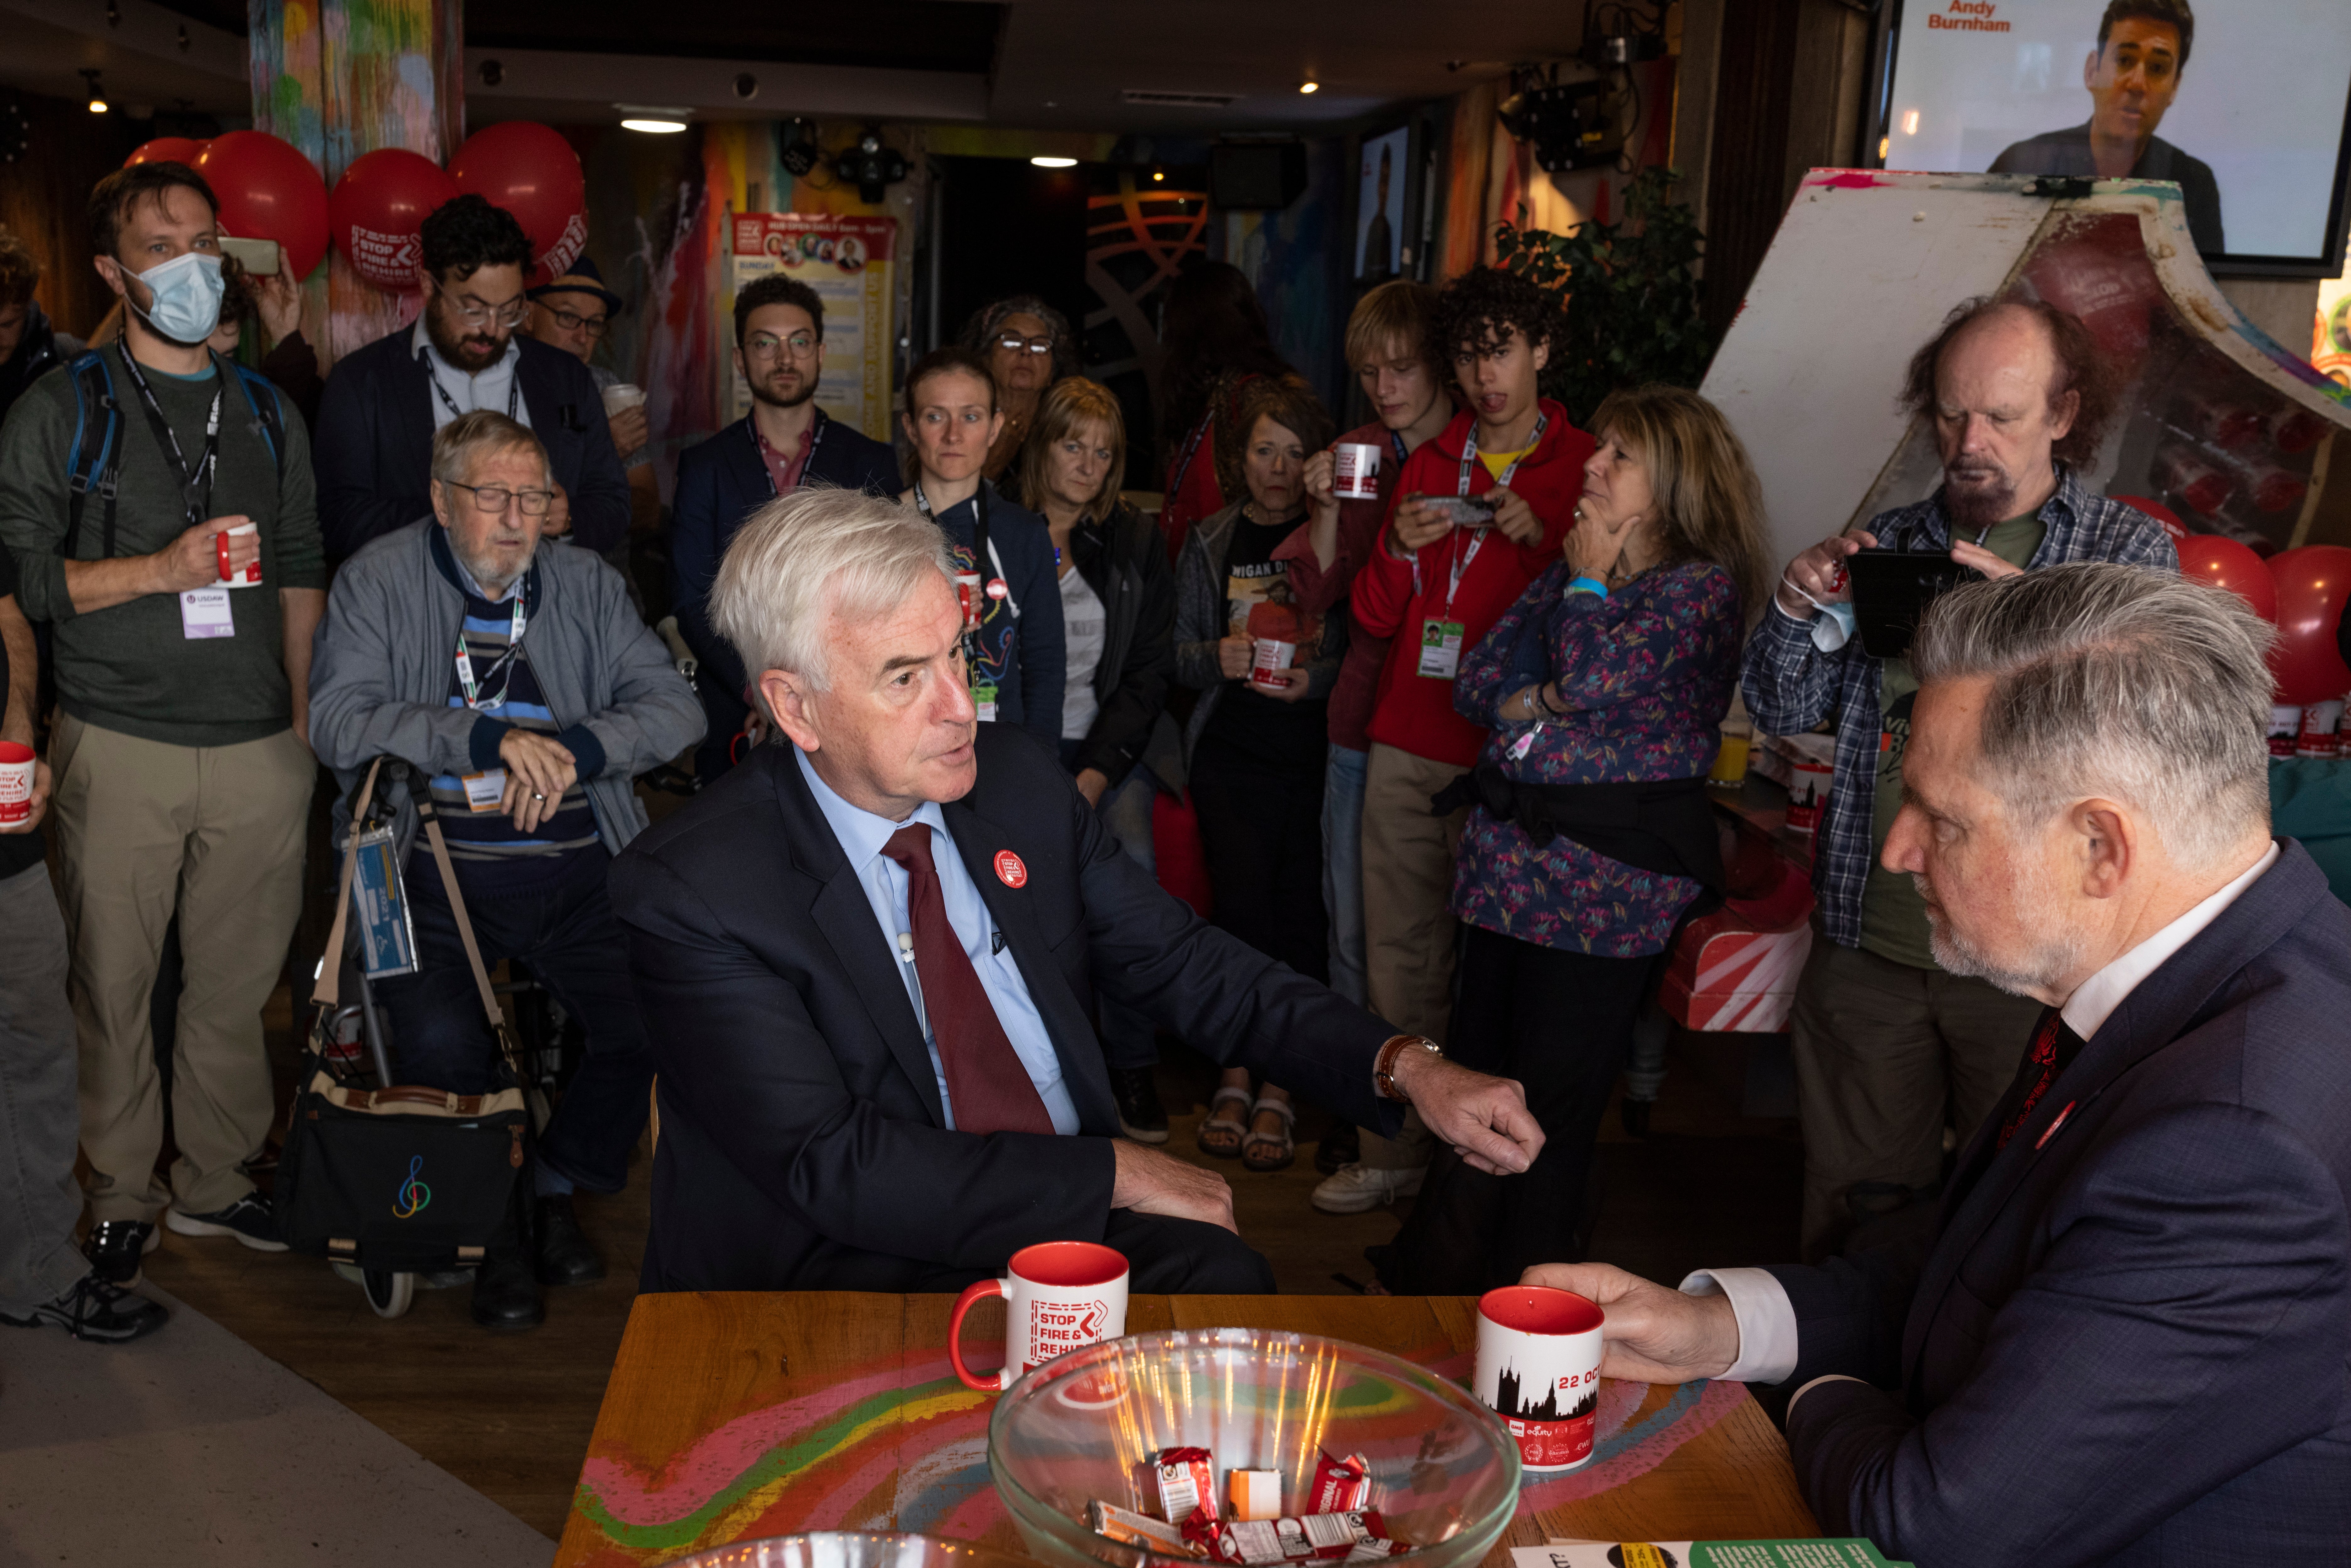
column 1118, row 635
column 1589, row 836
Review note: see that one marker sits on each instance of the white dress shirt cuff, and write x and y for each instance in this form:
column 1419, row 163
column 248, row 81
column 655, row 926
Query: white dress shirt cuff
column 1767, row 1321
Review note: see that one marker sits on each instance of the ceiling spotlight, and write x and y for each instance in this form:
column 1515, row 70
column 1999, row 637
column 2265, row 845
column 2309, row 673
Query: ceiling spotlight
column 97, row 94
column 1044, row 163
column 1158, row 176
column 653, row 119
column 653, row 126
column 1309, row 87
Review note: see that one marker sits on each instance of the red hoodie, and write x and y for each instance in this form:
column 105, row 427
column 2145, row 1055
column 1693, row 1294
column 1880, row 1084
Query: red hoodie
column 1415, row 712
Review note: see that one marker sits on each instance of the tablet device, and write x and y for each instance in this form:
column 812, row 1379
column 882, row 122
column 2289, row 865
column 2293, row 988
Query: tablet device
column 1462, row 511
column 1891, row 589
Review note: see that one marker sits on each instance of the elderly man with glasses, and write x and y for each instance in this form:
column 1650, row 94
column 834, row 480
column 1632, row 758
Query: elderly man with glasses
column 785, row 442
column 528, row 694
column 384, row 402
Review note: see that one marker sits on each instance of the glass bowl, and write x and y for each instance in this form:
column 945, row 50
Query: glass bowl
column 1444, row 1469
column 848, row 1548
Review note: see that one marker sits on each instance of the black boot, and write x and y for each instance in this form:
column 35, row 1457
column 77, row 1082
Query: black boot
column 565, row 1254
column 505, row 1296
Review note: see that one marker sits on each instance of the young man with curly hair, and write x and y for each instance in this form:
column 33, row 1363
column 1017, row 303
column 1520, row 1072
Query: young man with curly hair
column 1439, row 575
column 384, row 402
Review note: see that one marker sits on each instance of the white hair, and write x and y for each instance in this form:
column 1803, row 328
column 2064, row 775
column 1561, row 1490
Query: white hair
column 807, row 556
column 2144, row 687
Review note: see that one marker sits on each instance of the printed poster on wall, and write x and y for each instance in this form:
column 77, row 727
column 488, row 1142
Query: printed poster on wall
column 847, row 261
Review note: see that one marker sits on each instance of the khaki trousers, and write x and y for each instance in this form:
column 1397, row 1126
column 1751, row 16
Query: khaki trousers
column 216, row 833
column 1885, row 1054
column 1408, row 925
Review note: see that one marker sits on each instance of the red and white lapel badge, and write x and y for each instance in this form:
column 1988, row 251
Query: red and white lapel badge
column 1010, row 870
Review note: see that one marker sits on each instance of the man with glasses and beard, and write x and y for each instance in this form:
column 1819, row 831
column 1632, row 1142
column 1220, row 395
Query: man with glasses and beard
column 558, row 695
column 384, row 402
column 784, row 443
column 1890, row 1048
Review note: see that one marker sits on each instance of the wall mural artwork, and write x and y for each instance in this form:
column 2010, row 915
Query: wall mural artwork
column 1137, row 238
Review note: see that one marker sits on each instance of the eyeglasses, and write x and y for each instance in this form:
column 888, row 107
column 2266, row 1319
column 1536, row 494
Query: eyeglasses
column 1014, row 343
column 766, row 345
column 476, row 314
column 593, row 325
column 493, row 498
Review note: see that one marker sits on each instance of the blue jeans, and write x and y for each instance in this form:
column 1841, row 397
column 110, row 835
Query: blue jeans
column 1129, row 1039
column 1343, row 868
column 569, row 936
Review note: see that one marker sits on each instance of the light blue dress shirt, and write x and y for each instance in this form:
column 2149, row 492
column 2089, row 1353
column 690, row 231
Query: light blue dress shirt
column 861, row 835
column 493, row 387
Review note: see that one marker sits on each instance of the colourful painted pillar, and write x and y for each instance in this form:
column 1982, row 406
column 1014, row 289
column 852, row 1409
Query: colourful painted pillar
column 341, row 77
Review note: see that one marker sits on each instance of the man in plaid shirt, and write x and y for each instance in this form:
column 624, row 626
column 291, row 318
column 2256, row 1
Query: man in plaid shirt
column 1888, row 1048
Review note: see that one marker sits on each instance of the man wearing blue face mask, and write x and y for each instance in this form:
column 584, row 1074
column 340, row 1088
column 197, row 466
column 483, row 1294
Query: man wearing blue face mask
column 177, row 560
column 1890, row 1050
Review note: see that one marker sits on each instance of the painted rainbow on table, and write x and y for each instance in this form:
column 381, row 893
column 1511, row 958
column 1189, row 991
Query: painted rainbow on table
column 825, row 1460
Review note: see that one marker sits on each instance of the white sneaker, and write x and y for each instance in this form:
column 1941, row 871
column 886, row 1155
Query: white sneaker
column 1359, row 1187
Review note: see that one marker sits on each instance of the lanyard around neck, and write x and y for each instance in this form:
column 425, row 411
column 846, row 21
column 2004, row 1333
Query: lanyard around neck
column 514, row 384
column 465, row 680
column 196, row 483
column 1469, row 455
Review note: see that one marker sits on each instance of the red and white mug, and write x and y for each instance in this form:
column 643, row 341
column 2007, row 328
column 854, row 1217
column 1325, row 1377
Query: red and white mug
column 1059, row 1296
column 1539, row 1370
column 1356, row 471
column 16, row 764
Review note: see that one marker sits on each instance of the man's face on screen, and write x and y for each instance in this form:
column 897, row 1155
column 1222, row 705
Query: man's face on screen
column 2133, row 79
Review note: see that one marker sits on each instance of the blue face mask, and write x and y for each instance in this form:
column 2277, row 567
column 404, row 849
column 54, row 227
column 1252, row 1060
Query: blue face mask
column 185, row 297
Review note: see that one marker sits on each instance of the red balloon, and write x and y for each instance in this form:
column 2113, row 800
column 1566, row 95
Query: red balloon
column 2313, row 583
column 532, row 172
column 375, row 210
column 268, row 190
column 2225, row 563
column 167, row 149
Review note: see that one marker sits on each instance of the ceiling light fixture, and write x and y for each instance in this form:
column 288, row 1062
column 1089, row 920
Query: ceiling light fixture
column 1309, row 87
column 655, row 127
column 96, row 93
column 1158, row 176
column 1043, row 162
column 653, row 119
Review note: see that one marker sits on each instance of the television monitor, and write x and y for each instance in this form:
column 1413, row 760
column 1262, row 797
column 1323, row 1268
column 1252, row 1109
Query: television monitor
column 2246, row 104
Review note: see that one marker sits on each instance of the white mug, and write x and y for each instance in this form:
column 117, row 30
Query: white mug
column 1059, row 1296
column 621, row 396
column 251, row 575
column 1539, row 1370
column 1356, row 471
column 1269, row 657
column 16, row 781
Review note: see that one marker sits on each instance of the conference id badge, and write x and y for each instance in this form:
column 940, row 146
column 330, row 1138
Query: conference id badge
column 983, row 697
column 1440, row 648
column 484, row 792
column 205, row 612
column 379, row 902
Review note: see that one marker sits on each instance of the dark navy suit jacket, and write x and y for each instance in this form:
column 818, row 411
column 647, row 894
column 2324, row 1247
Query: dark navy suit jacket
column 720, row 482
column 803, row 1145
column 2130, row 1343
column 373, row 447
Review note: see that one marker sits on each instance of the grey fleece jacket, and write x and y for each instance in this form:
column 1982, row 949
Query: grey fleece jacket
column 379, row 673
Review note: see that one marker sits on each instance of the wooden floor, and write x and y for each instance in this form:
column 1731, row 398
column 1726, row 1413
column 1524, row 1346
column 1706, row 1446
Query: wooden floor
column 511, row 1415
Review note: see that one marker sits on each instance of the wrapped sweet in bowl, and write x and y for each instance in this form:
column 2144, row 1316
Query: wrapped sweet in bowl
column 1252, row 1447
column 849, row 1549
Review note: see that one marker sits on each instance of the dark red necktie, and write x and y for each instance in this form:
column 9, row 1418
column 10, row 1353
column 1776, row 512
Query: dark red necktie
column 987, row 1085
column 2053, row 1049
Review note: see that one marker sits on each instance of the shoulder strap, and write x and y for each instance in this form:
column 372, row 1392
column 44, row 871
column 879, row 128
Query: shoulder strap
column 261, row 396
column 432, row 820
column 327, row 991
column 95, row 460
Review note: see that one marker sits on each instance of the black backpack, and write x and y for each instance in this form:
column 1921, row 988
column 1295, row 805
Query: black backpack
column 96, row 462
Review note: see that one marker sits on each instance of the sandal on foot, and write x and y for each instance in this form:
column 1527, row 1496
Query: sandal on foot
column 1221, row 1136
column 1284, row 1145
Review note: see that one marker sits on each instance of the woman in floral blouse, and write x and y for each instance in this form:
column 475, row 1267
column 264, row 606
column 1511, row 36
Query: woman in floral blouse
column 1589, row 836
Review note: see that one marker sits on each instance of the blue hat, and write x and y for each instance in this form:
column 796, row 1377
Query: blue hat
column 579, row 278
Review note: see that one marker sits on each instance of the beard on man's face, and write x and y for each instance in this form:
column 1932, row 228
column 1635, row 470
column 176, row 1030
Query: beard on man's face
column 468, row 347
column 762, row 393
column 2046, row 964
column 1977, row 494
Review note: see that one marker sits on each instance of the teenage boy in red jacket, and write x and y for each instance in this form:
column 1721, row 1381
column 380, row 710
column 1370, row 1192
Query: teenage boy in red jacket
column 1434, row 586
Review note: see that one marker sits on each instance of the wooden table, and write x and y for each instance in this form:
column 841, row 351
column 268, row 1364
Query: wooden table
column 739, row 1416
